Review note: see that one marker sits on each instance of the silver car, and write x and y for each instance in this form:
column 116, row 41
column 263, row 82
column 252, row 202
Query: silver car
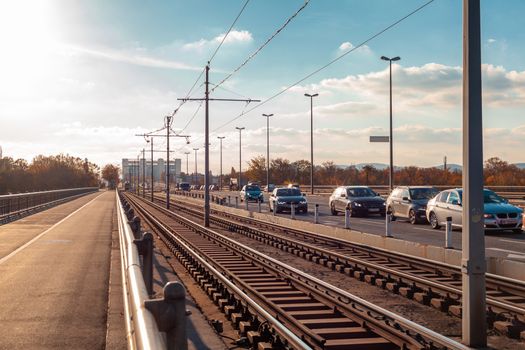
column 499, row 215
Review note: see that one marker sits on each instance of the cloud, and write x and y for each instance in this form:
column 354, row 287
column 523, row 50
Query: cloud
column 234, row 37
column 347, row 45
column 491, row 41
column 130, row 57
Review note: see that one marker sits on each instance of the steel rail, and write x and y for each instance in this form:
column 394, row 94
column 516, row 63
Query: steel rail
column 276, row 324
column 494, row 281
column 141, row 326
column 395, row 320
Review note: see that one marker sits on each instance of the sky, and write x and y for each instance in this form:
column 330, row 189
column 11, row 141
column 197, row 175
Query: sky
column 84, row 77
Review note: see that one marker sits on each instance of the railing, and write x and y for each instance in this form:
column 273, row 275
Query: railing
column 22, row 203
column 150, row 323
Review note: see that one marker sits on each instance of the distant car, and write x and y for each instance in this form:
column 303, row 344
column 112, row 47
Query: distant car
column 410, row 202
column 294, row 186
column 184, row 186
column 282, row 199
column 251, row 193
column 269, row 188
column 498, row 214
column 360, row 200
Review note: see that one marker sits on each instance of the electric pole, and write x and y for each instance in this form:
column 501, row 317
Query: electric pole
column 220, row 176
column 187, row 153
column 240, row 156
column 143, row 174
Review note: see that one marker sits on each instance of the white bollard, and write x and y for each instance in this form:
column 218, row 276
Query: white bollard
column 448, row 233
column 292, row 212
column 259, row 206
column 246, row 204
column 388, row 224
column 316, row 214
column 269, row 207
column 236, row 202
column 347, row 218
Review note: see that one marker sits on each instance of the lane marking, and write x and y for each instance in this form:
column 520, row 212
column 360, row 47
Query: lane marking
column 511, row 241
column 507, row 251
column 19, row 249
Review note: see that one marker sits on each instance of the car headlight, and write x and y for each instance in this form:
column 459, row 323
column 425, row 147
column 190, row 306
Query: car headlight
column 488, row 216
column 357, row 204
column 384, row 204
column 302, row 202
column 280, row 202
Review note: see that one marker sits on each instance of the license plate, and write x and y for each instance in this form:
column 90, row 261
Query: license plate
column 509, row 221
column 373, row 209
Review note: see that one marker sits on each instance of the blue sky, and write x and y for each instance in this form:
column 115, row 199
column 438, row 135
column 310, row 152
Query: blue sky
column 84, row 77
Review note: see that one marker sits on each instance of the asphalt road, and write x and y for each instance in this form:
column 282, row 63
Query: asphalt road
column 497, row 244
column 54, row 277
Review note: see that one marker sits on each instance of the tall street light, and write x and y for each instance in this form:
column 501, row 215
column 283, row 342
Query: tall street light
column 195, row 180
column 311, row 140
column 220, row 177
column 267, row 149
column 187, row 162
column 390, row 60
column 240, row 154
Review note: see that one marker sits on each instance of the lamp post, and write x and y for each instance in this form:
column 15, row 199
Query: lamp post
column 195, row 180
column 220, row 177
column 267, row 149
column 240, row 154
column 311, row 140
column 390, row 60
column 187, row 162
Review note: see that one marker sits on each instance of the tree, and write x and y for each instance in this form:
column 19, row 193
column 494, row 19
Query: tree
column 256, row 169
column 110, row 173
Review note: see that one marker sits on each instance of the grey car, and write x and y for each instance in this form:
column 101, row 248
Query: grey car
column 282, row 199
column 410, row 202
column 360, row 200
column 498, row 214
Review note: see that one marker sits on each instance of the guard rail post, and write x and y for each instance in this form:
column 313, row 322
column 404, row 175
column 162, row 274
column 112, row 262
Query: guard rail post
column 170, row 314
column 274, row 211
column 316, row 214
column 448, row 233
column 236, row 202
column 292, row 211
column 259, row 206
column 388, row 224
column 246, row 204
column 229, row 201
column 347, row 218
column 145, row 248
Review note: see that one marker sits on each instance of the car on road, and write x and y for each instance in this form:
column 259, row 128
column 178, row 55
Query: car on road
column 184, row 186
column 359, row 200
column 410, row 202
column 269, row 188
column 498, row 214
column 282, row 199
column 251, row 193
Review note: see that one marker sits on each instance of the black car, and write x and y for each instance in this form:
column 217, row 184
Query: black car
column 410, row 202
column 360, row 200
column 184, row 186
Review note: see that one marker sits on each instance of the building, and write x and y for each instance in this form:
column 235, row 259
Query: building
column 130, row 166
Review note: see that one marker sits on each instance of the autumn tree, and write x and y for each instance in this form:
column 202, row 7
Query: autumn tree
column 110, row 173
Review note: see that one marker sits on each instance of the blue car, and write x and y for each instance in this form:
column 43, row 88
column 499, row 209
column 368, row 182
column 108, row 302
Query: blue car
column 251, row 193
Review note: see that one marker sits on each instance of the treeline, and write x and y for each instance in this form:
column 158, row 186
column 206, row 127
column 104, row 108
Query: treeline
column 46, row 173
column 497, row 172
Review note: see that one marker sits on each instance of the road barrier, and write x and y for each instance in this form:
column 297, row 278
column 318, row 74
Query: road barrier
column 146, row 319
column 388, row 224
column 14, row 206
column 448, row 233
column 347, row 218
column 316, row 214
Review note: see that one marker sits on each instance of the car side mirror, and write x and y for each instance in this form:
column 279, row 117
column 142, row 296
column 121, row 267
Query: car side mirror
column 406, row 199
column 304, row 194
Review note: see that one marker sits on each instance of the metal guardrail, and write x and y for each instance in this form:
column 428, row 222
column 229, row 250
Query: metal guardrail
column 17, row 203
column 150, row 323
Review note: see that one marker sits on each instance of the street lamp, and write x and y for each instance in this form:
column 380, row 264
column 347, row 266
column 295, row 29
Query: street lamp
column 240, row 154
column 187, row 162
column 311, row 140
column 390, row 60
column 220, row 177
column 195, row 180
column 267, row 149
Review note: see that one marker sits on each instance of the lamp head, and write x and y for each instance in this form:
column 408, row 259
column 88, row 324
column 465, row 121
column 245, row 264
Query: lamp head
column 384, row 58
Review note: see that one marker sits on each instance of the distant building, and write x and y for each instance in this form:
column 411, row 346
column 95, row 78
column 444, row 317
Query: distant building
column 130, row 167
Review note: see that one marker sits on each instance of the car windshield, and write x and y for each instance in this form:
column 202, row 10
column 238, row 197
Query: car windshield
column 360, row 192
column 488, row 197
column 288, row 192
column 423, row 193
column 252, row 188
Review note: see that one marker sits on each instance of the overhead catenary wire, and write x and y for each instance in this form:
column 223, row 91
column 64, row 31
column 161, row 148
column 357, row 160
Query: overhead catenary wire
column 280, row 29
column 327, row 64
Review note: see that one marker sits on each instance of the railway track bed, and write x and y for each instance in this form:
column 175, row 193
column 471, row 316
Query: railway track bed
column 322, row 316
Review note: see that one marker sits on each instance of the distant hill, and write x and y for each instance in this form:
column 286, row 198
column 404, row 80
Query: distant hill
column 520, row 165
column 382, row 166
column 450, row 167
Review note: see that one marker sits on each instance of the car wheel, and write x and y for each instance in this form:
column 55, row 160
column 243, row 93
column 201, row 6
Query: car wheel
column 412, row 217
column 517, row 230
column 434, row 221
column 392, row 217
column 332, row 209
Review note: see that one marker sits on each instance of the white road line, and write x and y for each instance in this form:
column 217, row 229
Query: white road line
column 507, row 251
column 19, row 249
column 427, row 229
column 511, row 241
